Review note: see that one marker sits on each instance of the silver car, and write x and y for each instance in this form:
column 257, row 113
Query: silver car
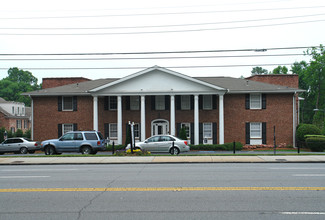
column 19, row 145
column 162, row 143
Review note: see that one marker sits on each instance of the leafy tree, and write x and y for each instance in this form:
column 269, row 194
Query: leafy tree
column 258, row 71
column 280, row 70
column 17, row 82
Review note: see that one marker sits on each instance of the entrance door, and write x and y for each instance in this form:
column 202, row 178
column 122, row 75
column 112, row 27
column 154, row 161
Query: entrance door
column 159, row 127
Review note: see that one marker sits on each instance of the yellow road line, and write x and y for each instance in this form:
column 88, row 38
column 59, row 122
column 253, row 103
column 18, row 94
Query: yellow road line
column 152, row 189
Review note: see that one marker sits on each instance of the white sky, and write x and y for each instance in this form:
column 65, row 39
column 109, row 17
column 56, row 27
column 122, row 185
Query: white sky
column 302, row 25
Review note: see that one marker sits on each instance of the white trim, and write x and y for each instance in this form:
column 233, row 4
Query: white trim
column 143, row 118
column 119, row 120
column 221, row 121
column 156, row 122
column 196, row 119
column 95, row 113
column 172, row 115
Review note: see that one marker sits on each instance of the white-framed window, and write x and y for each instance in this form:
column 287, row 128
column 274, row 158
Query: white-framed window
column 185, row 102
column 187, row 127
column 256, row 130
column 18, row 124
column 23, row 111
column 136, row 130
column 112, row 102
column 160, row 102
column 207, row 102
column 134, row 103
column 13, row 110
column 255, row 101
column 113, row 130
column 67, row 103
column 18, row 110
column 207, row 130
column 25, row 124
column 67, row 127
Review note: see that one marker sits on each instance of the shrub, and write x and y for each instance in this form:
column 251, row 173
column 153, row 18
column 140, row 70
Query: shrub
column 19, row 133
column 215, row 147
column 316, row 143
column 305, row 129
column 182, row 134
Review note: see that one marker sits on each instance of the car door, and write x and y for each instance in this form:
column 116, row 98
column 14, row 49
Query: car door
column 17, row 144
column 66, row 143
column 165, row 144
column 4, row 147
column 152, row 144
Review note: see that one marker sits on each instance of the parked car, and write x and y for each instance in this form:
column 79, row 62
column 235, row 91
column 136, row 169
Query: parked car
column 85, row 142
column 162, row 143
column 19, row 145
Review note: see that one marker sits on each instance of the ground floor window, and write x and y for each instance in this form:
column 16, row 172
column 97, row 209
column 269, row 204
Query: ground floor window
column 67, row 128
column 207, row 130
column 18, row 124
column 113, row 130
column 187, row 127
column 256, row 133
column 136, row 130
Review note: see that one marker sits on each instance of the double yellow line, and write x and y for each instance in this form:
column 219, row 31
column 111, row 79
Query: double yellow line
column 153, row 189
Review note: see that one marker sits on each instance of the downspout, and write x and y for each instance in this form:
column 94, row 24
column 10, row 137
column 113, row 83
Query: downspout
column 32, row 118
column 294, row 120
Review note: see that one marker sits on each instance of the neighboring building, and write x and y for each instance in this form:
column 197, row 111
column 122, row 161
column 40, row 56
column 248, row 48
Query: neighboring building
column 160, row 101
column 14, row 115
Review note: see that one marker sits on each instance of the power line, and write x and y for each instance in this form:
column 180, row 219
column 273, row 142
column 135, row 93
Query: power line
column 161, row 32
column 150, row 58
column 158, row 52
column 157, row 26
column 162, row 13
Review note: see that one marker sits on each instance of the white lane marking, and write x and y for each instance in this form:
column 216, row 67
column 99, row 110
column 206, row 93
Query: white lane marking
column 296, row 168
column 302, row 213
column 17, row 177
column 308, row 175
column 37, row 170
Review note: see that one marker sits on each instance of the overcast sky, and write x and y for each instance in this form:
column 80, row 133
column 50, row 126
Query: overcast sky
column 90, row 27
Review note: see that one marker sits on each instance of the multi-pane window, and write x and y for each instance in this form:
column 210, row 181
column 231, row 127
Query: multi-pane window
column 187, row 127
column 113, row 130
column 134, row 102
column 67, row 103
column 136, row 130
column 18, row 124
column 25, row 124
column 207, row 102
column 185, row 102
column 207, row 130
column 112, row 102
column 255, row 101
column 67, row 127
column 13, row 110
column 160, row 102
column 256, row 130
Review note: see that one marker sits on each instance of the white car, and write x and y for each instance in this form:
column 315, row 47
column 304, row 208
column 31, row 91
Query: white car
column 162, row 143
column 19, row 145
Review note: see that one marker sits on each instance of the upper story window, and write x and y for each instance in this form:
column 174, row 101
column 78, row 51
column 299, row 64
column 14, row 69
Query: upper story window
column 134, row 102
column 160, row 102
column 67, row 103
column 18, row 110
column 207, row 102
column 185, row 102
column 112, row 102
column 255, row 101
column 13, row 110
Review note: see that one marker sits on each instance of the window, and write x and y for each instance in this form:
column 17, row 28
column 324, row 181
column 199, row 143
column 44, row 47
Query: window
column 67, row 127
column 256, row 130
column 18, row 112
column 112, row 102
column 25, row 124
column 13, row 110
column 78, row 136
column 136, row 130
column 23, row 111
column 91, row 136
column 207, row 130
column 18, row 124
column 256, row 133
column 134, row 102
column 67, row 137
column 185, row 102
column 187, row 127
column 255, row 101
column 67, row 103
column 113, row 130
column 160, row 102
column 207, row 102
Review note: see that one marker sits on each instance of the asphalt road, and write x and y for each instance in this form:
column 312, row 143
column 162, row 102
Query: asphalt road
column 163, row 191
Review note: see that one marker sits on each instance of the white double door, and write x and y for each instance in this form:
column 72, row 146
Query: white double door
column 160, row 127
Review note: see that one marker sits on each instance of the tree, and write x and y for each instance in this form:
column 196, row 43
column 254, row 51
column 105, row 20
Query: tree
column 258, row 71
column 17, row 82
column 280, row 70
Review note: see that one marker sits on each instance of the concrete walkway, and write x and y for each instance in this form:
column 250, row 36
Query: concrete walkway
column 161, row 159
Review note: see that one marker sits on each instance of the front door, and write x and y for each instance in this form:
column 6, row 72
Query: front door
column 160, row 127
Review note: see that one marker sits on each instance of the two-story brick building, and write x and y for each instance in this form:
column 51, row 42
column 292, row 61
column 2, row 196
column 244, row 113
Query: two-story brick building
column 161, row 101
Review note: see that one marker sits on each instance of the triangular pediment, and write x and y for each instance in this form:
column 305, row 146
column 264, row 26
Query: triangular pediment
column 157, row 80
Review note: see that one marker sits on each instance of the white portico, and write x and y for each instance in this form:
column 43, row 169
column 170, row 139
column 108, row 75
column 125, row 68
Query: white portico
column 167, row 86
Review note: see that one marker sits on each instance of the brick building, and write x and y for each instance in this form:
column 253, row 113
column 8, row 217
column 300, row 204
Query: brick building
column 161, row 101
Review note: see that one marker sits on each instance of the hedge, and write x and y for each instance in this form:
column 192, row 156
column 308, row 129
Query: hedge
column 306, row 129
column 215, row 147
column 316, row 143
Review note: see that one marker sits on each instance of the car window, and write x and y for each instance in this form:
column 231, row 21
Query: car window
column 78, row 136
column 153, row 139
column 67, row 137
column 101, row 137
column 19, row 141
column 90, row 136
column 166, row 138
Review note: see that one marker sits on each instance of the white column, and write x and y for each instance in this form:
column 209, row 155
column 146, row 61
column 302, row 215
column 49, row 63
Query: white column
column 196, row 119
column 172, row 115
column 119, row 120
column 95, row 116
column 143, row 118
column 221, row 121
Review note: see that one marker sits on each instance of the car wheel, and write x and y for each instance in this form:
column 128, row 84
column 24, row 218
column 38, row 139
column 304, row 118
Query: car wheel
column 93, row 152
column 31, row 152
column 49, row 150
column 23, row 150
column 86, row 150
column 174, row 151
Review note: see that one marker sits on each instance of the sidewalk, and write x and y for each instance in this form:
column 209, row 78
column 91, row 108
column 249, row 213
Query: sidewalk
column 160, row 159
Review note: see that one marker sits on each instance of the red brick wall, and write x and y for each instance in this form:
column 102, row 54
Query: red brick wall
column 47, row 117
column 290, row 80
column 55, row 82
column 278, row 113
